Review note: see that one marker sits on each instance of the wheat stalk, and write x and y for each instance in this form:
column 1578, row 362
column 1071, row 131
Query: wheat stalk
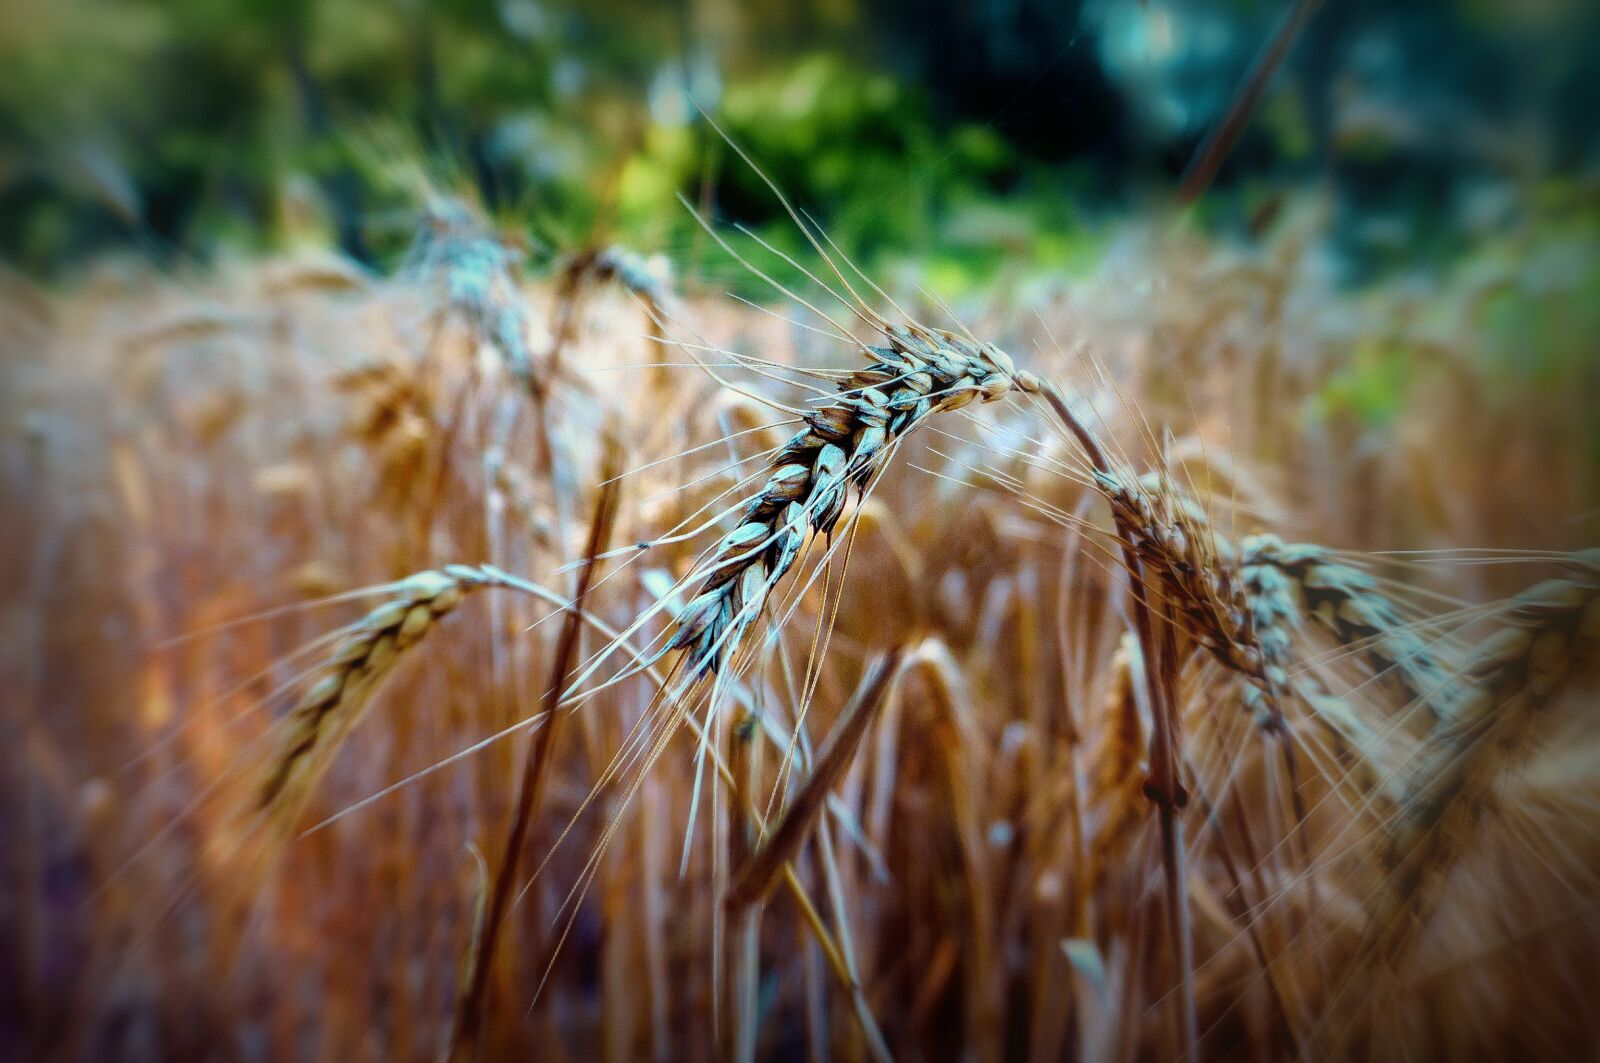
column 468, row 1024
column 755, row 877
column 1161, row 662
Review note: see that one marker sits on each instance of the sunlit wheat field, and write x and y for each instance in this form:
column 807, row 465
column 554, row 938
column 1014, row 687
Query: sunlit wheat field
column 477, row 659
column 799, row 530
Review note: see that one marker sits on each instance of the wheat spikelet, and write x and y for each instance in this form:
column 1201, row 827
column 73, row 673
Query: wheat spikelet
column 845, row 443
column 1274, row 614
column 327, row 711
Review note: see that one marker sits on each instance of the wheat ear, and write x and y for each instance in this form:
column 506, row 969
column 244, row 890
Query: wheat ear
column 1118, row 773
column 1348, row 604
column 1515, row 672
column 478, row 275
column 643, row 277
column 1197, row 571
column 327, row 711
column 1273, row 596
column 844, row 444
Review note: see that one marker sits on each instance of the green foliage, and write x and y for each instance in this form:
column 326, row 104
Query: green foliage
column 1521, row 309
column 1372, row 387
column 864, row 156
column 190, row 124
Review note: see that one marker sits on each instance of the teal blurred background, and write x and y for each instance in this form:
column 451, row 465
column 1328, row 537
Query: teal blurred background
column 965, row 140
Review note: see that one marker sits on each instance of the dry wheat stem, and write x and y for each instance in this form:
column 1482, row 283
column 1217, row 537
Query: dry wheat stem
column 470, row 1004
column 1164, row 786
column 752, row 880
column 742, row 964
column 792, row 883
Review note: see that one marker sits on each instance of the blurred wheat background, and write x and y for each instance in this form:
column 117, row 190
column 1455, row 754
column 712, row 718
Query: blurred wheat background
column 1082, row 584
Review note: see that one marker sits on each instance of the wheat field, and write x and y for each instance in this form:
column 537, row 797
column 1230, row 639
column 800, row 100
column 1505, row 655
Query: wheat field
column 1050, row 676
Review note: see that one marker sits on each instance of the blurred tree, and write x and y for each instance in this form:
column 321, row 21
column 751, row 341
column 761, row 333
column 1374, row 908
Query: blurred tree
column 1029, row 68
column 180, row 122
